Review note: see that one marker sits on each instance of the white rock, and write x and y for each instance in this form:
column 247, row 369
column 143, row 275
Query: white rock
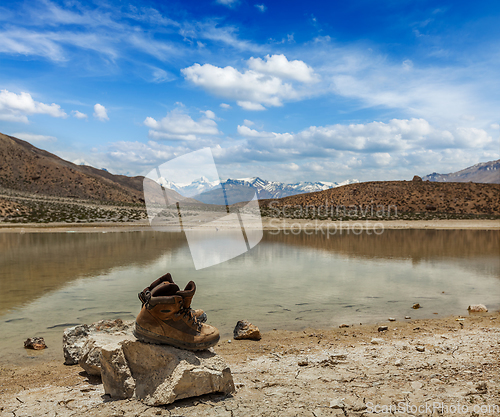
column 160, row 374
column 337, row 403
column 398, row 362
column 416, row 385
column 477, row 308
column 75, row 338
column 377, row 341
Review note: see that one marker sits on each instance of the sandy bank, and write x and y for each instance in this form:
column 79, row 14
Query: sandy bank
column 333, row 372
column 271, row 224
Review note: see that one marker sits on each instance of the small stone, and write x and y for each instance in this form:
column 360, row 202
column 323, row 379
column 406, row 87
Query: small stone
column 229, row 341
column 303, row 362
column 383, row 328
column 436, row 381
column 337, row 403
column 398, row 362
column 477, row 308
column 482, row 387
column 246, row 330
column 343, row 325
column 416, row 306
column 407, row 318
column 36, row 343
column 377, row 341
column 420, row 348
column 416, row 385
column 392, row 319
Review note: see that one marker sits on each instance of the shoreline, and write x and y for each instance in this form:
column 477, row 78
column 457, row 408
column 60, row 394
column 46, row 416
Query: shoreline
column 270, row 224
column 285, row 373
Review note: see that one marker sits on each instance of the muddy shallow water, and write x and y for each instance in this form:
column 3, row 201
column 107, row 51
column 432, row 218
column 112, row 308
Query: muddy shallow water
column 49, row 281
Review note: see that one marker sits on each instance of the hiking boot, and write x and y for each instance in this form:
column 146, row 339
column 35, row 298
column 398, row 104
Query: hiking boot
column 166, row 318
column 166, row 279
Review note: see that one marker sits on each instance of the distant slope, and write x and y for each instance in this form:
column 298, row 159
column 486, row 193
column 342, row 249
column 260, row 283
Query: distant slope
column 415, row 196
column 24, row 167
column 486, row 172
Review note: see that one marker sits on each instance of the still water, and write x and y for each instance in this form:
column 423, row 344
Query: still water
column 49, row 281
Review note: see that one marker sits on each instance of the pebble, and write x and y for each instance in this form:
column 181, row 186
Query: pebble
column 343, row 325
column 377, row 341
column 416, row 385
column 420, row 348
column 392, row 319
column 416, row 306
column 408, row 318
column 337, row 403
column 303, row 362
column 36, row 343
column 398, row 362
column 383, row 328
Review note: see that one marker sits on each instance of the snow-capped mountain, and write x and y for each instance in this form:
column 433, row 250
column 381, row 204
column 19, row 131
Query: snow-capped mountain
column 197, row 187
column 263, row 188
column 276, row 189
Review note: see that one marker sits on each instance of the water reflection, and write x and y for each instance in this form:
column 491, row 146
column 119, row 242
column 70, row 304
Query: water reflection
column 51, row 280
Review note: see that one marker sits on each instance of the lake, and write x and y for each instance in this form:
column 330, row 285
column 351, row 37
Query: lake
column 49, row 281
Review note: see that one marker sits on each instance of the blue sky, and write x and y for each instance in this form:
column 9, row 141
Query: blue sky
column 289, row 91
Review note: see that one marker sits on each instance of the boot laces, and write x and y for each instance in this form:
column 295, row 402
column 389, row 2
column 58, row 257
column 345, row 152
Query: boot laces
column 189, row 314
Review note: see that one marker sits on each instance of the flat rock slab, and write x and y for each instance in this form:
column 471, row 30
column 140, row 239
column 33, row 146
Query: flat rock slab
column 160, row 374
column 154, row 374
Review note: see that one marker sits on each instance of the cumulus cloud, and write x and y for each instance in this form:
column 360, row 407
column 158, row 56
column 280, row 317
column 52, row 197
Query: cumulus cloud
column 280, row 66
column 377, row 138
column 177, row 125
column 253, row 89
column 261, row 7
column 225, row 106
column 100, row 112
column 31, row 137
column 79, row 115
column 17, row 107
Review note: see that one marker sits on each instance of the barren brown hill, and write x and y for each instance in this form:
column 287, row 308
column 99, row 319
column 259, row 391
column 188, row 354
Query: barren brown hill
column 26, row 168
column 417, row 196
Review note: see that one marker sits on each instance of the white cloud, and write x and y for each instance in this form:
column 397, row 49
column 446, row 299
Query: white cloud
column 228, row 3
column 495, row 126
column 261, row 7
column 467, row 117
column 31, row 137
column 225, row 106
column 377, row 138
column 79, row 115
column 177, row 125
column 100, row 112
column 249, row 105
column 252, row 133
column 254, row 89
column 280, row 66
column 209, row 114
column 17, row 107
column 248, row 123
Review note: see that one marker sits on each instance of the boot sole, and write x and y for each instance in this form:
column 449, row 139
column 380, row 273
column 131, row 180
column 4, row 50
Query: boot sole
column 149, row 337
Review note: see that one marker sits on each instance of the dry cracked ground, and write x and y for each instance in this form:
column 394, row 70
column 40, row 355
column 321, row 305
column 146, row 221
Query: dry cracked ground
column 416, row 368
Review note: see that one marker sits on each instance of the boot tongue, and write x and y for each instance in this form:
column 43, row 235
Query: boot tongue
column 165, row 289
column 188, row 293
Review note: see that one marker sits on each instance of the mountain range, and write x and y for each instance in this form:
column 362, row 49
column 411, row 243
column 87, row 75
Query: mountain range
column 263, row 188
column 486, row 172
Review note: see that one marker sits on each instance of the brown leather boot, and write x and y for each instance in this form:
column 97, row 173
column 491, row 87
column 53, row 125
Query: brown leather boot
column 165, row 319
column 167, row 278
